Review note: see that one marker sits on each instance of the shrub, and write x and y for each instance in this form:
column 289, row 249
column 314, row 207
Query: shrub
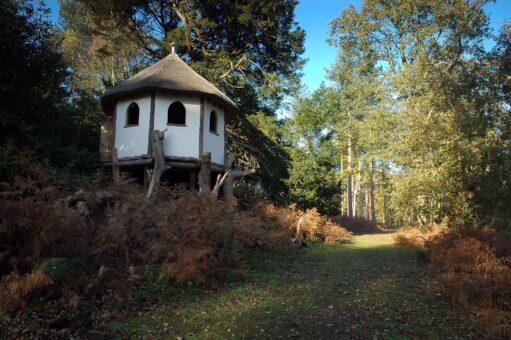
column 78, row 242
column 32, row 230
column 60, row 269
column 314, row 227
column 357, row 225
column 15, row 290
column 474, row 267
column 417, row 236
column 195, row 238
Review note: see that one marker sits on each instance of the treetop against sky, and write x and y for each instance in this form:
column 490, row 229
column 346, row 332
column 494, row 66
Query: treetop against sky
column 314, row 15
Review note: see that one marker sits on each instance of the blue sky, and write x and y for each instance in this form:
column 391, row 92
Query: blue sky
column 314, row 15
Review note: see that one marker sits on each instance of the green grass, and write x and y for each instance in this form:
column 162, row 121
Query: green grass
column 367, row 288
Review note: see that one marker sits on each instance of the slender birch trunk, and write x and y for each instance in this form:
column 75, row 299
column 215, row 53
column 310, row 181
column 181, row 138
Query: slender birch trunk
column 355, row 197
column 350, row 183
column 385, row 196
column 356, row 192
column 385, row 208
column 342, row 189
column 371, row 191
column 367, row 204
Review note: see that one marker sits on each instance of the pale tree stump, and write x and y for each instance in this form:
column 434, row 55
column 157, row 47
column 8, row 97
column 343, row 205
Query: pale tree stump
column 159, row 162
column 298, row 237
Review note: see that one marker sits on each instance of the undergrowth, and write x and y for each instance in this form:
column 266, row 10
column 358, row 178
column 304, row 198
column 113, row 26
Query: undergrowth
column 474, row 267
column 358, row 225
column 68, row 244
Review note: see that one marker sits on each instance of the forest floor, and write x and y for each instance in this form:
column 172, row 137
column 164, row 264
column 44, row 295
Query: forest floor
column 366, row 287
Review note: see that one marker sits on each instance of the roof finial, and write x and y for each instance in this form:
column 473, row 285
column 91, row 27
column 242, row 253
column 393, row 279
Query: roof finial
column 173, row 48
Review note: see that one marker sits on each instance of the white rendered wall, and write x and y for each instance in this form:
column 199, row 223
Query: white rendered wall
column 132, row 141
column 214, row 143
column 180, row 141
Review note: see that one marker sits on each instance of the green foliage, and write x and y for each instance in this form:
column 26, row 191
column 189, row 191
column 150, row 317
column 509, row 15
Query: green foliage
column 31, row 74
column 250, row 50
column 436, row 118
column 313, row 181
column 233, row 45
column 258, row 141
column 36, row 110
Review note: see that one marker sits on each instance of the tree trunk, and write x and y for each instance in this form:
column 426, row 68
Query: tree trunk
column 159, row 162
column 205, row 174
column 187, row 32
column 385, row 197
column 366, row 204
column 342, row 188
column 385, row 210
column 371, row 192
column 350, row 183
column 356, row 192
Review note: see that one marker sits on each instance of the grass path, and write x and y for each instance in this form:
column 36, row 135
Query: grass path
column 368, row 288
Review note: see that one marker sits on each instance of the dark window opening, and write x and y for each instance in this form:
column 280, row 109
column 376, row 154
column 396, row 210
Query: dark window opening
column 213, row 122
column 176, row 114
column 132, row 114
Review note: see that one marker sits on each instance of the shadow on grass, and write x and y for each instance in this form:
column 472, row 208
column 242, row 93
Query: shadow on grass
column 367, row 288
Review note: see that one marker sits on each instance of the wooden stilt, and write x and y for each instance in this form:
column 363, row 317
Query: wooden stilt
column 232, row 174
column 146, row 179
column 205, row 174
column 159, row 162
column 193, row 182
column 115, row 167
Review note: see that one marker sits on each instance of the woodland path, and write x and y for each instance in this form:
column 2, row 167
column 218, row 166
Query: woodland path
column 364, row 289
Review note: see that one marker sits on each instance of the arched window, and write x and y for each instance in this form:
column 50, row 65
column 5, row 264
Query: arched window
column 213, row 122
column 132, row 114
column 176, row 114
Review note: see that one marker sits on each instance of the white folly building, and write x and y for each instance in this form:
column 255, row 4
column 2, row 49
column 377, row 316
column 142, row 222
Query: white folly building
column 167, row 95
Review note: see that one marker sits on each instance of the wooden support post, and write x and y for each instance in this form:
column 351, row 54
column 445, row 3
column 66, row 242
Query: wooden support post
column 219, row 182
column 232, row 174
column 193, row 182
column 146, row 178
column 205, row 174
column 159, row 162
column 115, row 167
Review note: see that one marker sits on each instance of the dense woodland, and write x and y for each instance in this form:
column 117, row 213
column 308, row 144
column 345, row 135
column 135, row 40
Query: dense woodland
column 412, row 126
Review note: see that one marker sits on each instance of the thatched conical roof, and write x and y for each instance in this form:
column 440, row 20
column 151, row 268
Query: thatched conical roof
column 168, row 74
